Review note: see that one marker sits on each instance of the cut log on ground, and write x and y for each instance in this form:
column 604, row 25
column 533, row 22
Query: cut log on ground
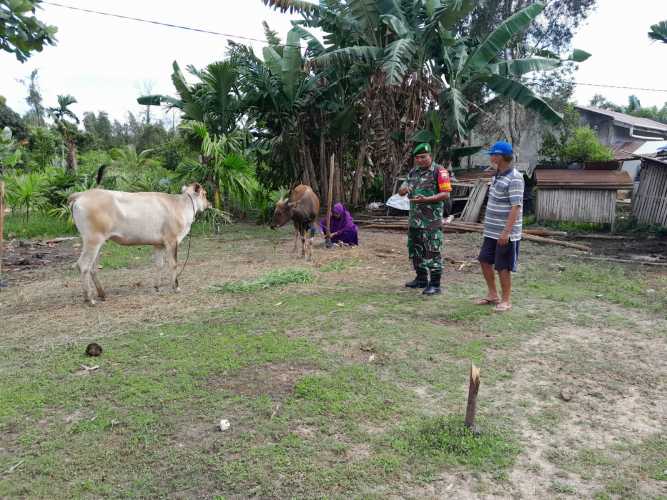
column 473, row 389
column 621, row 261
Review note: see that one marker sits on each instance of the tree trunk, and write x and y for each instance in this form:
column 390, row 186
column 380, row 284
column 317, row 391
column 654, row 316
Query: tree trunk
column 359, row 175
column 323, row 163
column 72, row 163
column 308, row 160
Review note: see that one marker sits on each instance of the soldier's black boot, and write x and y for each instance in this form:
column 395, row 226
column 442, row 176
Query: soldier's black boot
column 434, row 285
column 421, row 281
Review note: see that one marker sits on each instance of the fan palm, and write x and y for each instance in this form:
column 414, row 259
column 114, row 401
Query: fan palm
column 26, row 191
column 222, row 167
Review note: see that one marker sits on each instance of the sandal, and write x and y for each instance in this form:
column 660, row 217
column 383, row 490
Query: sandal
column 503, row 307
column 487, row 302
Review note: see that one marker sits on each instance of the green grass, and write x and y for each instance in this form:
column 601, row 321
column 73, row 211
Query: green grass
column 357, row 391
column 339, row 265
column 447, row 440
column 114, row 256
column 40, row 225
column 277, row 278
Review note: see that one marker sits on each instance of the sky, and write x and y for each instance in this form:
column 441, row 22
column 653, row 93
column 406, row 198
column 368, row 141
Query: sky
column 107, row 62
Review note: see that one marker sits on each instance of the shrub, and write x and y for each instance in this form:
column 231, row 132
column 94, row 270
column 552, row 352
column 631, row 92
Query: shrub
column 585, row 146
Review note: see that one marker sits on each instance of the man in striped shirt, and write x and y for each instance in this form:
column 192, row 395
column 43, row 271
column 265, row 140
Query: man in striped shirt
column 502, row 227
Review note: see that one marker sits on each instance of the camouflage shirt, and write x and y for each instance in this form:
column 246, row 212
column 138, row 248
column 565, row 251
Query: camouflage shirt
column 422, row 182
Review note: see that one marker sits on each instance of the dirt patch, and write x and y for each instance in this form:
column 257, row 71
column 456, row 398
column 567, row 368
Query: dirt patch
column 22, row 256
column 652, row 249
column 618, row 397
column 275, row 380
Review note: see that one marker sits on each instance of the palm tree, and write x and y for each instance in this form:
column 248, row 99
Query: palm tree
column 68, row 130
column 222, row 167
column 128, row 158
column 659, row 32
column 214, row 100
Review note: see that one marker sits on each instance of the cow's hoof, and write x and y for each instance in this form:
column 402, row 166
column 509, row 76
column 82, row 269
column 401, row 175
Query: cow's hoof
column 91, row 302
column 177, row 289
column 102, row 298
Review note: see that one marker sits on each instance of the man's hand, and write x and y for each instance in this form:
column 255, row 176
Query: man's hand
column 403, row 191
column 419, row 199
column 504, row 238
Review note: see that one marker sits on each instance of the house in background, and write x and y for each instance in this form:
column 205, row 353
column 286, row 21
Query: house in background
column 626, row 135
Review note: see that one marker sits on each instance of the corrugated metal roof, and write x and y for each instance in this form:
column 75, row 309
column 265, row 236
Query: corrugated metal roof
column 583, row 179
column 635, row 121
column 621, row 150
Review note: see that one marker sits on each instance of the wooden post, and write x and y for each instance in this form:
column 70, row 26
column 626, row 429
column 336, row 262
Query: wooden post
column 2, row 224
column 473, row 389
column 332, row 167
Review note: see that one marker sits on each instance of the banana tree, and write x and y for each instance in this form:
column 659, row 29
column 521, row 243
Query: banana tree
column 278, row 92
column 469, row 71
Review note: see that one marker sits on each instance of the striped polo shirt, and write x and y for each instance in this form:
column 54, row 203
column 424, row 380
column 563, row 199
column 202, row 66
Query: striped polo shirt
column 506, row 192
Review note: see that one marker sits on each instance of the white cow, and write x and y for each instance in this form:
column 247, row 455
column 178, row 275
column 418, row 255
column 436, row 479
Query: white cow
column 157, row 219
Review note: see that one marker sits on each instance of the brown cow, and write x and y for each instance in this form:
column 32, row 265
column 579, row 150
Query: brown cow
column 302, row 208
column 157, row 219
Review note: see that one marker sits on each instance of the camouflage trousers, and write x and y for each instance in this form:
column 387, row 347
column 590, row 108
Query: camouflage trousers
column 424, row 249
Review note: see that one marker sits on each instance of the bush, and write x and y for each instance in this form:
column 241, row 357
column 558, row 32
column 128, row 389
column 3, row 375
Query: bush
column 585, row 146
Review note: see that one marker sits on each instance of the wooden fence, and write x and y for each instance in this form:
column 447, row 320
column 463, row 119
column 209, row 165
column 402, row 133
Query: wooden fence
column 577, row 205
column 650, row 202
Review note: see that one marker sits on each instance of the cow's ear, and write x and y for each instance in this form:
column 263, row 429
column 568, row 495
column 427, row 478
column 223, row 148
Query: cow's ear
column 197, row 187
column 184, row 189
column 291, row 204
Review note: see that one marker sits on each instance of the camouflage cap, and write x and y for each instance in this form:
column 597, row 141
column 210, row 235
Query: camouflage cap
column 424, row 147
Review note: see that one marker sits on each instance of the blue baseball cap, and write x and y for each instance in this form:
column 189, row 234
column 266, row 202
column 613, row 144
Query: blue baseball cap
column 501, row 148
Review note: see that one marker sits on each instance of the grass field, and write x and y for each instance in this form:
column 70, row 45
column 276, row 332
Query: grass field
column 336, row 380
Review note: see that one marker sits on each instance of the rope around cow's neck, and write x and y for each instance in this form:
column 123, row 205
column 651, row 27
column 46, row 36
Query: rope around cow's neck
column 187, row 256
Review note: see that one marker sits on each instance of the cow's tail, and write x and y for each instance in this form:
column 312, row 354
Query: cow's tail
column 100, row 174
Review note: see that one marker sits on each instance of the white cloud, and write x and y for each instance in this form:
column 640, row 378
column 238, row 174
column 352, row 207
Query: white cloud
column 623, row 55
column 103, row 61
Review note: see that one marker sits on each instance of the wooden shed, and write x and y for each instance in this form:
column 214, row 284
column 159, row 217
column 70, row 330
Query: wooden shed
column 650, row 202
column 579, row 195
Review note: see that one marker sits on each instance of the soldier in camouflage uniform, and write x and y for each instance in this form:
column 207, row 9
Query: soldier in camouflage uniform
column 428, row 185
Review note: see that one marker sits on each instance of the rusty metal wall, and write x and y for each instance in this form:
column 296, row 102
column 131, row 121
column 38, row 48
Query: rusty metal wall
column 649, row 205
column 576, row 205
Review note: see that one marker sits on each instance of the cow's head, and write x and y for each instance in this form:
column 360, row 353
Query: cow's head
column 198, row 195
column 282, row 214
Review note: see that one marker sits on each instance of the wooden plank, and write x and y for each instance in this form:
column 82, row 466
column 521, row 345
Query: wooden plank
column 476, row 200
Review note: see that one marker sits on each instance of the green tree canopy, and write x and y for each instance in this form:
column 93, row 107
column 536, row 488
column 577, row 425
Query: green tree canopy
column 20, row 31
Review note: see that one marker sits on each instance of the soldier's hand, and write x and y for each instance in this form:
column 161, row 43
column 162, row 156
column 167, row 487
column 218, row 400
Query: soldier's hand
column 418, row 199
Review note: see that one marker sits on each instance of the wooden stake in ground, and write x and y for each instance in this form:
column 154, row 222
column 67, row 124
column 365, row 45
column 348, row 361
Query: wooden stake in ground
column 332, row 167
column 2, row 222
column 472, row 397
